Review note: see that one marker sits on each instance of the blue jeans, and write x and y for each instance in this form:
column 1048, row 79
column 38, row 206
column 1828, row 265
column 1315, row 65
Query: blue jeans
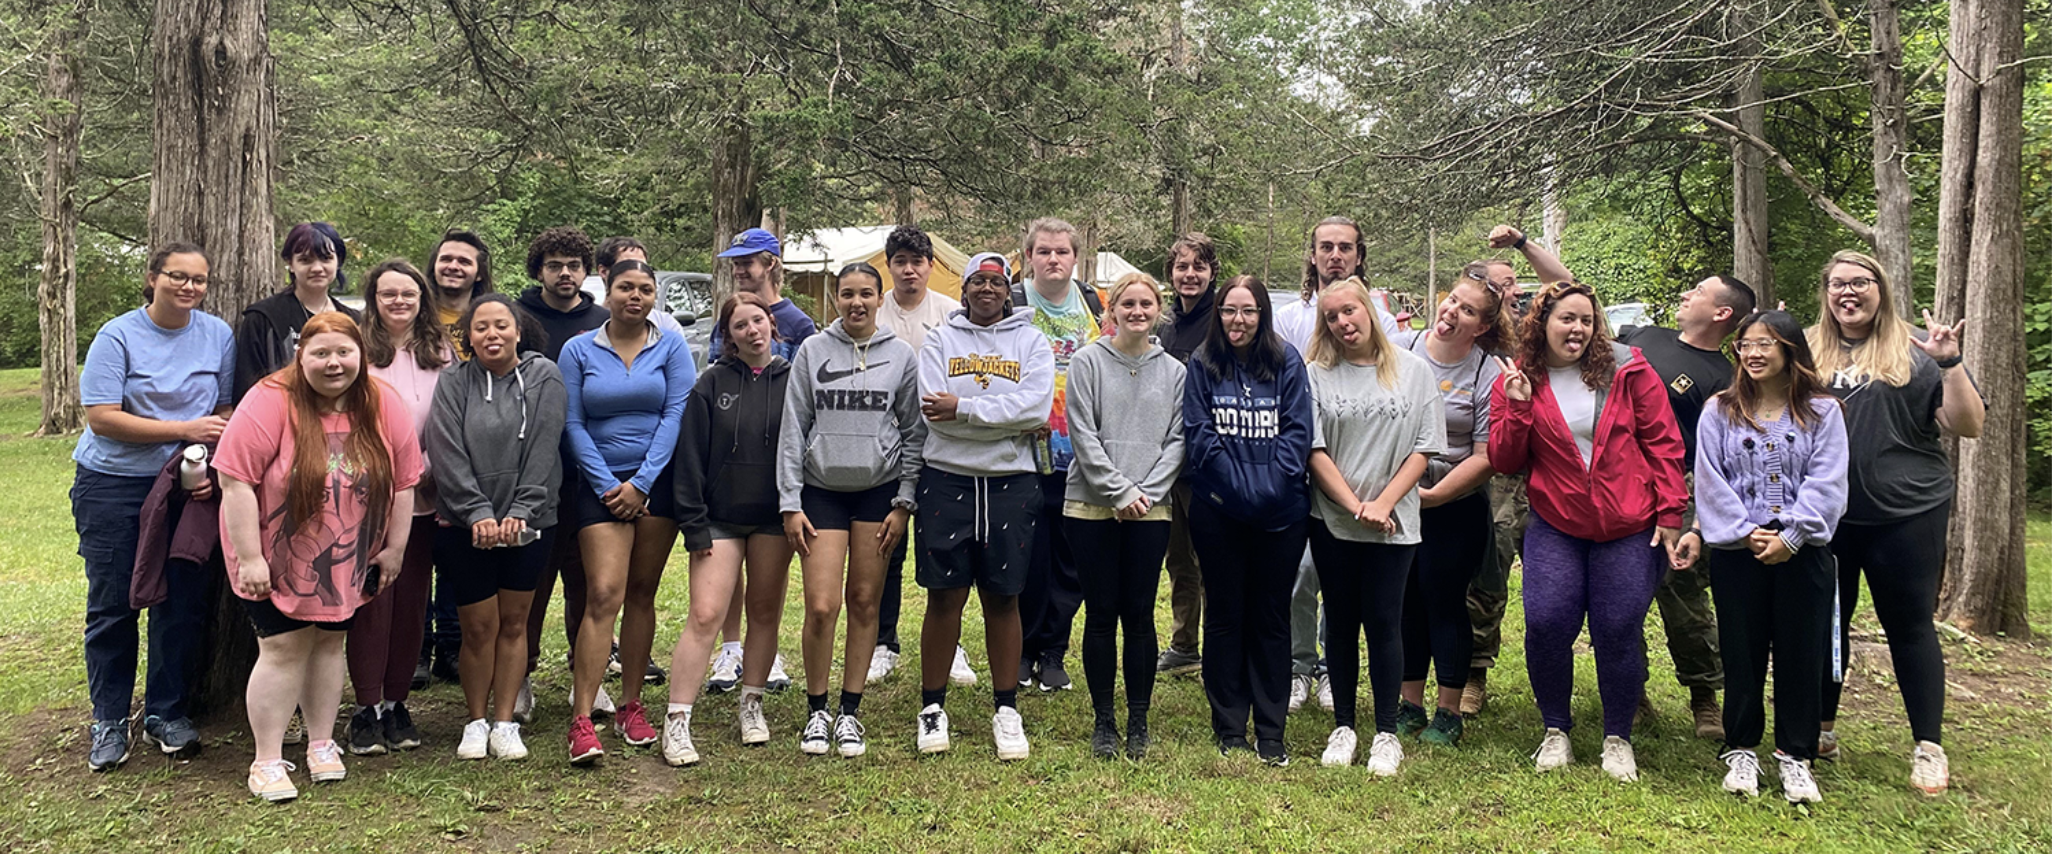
column 108, row 512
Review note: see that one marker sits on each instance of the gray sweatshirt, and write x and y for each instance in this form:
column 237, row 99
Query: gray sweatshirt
column 851, row 417
column 1126, row 420
column 496, row 442
column 1004, row 375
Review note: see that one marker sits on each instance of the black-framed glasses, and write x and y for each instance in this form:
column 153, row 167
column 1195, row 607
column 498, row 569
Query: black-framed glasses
column 554, row 267
column 1856, row 285
column 182, row 278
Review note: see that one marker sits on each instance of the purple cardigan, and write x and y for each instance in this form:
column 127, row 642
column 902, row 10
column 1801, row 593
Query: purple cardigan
column 1746, row 477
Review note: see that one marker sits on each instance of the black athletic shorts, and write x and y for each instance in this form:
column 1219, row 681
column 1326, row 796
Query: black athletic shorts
column 474, row 574
column 833, row 511
column 586, row 508
column 976, row 530
column 268, row 621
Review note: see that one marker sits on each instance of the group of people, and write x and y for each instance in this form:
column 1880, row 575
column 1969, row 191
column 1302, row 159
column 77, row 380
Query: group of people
column 1050, row 448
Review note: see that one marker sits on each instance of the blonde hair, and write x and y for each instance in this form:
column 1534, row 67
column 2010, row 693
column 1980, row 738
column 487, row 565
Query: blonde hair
column 1885, row 355
column 1111, row 294
column 1326, row 350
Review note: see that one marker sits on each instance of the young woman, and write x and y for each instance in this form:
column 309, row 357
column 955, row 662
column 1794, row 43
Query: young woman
column 1770, row 486
column 155, row 380
column 626, row 383
column 1589, row 420
column 404, row 342
column 1453, row 516
column 1126, row 420
column 495, row 437
column 847, row 468
column 986, row 385
column 1247, row 441
column 317, row 474
column 1377, row 422
column 267, row 338
column 1903, row 389
column 726, row 497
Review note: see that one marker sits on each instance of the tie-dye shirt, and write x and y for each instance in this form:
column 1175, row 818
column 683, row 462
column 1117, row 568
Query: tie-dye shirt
column 1068, row 326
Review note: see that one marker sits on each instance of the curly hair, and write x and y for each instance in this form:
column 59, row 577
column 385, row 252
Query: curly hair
column 1598, row 363
column 908, row 238
column 562, row 240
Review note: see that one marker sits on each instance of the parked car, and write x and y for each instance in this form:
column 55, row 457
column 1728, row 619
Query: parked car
column 686, row 297
column 1628, row 314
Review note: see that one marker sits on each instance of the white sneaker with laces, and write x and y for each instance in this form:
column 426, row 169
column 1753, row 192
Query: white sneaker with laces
column 933, row 729
column 1554, row 751
column 1325, row 692
column 1300, row 691
column 754, row 726
column 1339, row 747
column 1930, row 772
column 476, row 741
column 602, row 703
column 1744, row 776
column 1618, row 760
column 778, row 679
column 523, row 702
column 960, row 672
column 725, row 674
column 1385, row 754
column 813, row 741
column 848, row 737
column 505, row 742
column 677, row 748
column 882, row 663
column 1009, row 731
column 1798, row 785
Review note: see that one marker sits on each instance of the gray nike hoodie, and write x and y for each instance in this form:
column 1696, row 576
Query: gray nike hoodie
column 495, row 442
column 1126, row 420
column 851, row 417
column 1004, row 376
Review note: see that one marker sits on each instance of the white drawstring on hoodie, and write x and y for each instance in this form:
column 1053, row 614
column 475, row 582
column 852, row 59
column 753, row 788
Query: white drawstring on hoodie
column 522, row 380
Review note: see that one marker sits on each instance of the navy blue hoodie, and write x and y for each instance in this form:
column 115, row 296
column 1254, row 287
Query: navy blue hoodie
column 1248, row 441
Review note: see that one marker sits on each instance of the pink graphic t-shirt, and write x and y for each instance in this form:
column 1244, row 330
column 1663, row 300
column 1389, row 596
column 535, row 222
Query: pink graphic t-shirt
column 317, row 573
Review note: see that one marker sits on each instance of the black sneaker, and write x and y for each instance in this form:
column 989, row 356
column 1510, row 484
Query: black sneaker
column 1444, row 731
column 1053, row 676
column 1137, row 740
column 399, row 731
column 444, row 669
column 421, row 674
column 1411, row 718
column 177, row 739
column 1178, row 661
column 1104, row 738
column 1231, row 743
column 1273, row 753
column 613, row 661
column 366, row 733
column 654, row 675
column 110, row 745
column 1027, row 670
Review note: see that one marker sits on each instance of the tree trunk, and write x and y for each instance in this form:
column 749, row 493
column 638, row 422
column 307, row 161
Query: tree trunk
column 1553, row 215
column 1892, row 193
column 1956, row 164
column 735, row 204
column 214, row 141
column 56, row 303
column 1985, row 587
column 901, row 205
column 1750, row 260
column 1181, row 219
column 1086, row 254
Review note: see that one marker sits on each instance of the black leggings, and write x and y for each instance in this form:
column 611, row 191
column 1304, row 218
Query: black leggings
column 1120, row 566
column 1784, row 610
column 1363, row 585
column 1436, row 626
column 1904, row 560
column 1248, row 573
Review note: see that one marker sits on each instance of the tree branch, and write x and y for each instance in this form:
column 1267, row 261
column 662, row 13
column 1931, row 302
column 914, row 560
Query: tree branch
column 1824, row 203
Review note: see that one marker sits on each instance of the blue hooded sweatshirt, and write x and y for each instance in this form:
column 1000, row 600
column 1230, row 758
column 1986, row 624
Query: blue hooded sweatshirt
column 1248, row 441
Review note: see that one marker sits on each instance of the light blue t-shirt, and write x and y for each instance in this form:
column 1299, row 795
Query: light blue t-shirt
column 155, row 373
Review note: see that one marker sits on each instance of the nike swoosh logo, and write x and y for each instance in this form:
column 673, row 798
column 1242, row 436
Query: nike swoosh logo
column 828, row 375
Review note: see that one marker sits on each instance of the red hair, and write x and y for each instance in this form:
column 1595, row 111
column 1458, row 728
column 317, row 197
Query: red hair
column 363, row 451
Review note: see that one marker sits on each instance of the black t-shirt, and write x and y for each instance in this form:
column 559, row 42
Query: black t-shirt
column 1897, row 464
column 1692, row 376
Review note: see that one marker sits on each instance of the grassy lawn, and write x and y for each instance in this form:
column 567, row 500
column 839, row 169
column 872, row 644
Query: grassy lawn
column 1482, row 796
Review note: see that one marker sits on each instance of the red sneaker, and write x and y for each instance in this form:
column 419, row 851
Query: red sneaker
column 632, row 725
column 584, row 742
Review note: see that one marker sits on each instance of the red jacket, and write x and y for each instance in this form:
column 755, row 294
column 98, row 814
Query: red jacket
column 1634, row 479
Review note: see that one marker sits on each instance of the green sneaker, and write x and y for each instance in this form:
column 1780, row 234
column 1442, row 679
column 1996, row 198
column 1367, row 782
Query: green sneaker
column 1445, row 729
column 1410, row 718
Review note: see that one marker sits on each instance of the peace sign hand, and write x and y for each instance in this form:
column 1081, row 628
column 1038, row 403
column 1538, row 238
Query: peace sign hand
column 1515, row 383
column 1941, row 341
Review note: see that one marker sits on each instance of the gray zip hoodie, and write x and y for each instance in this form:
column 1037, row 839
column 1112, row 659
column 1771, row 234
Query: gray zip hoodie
column 1004, row 375
column 1126, row 420
column 495, row 442
column 851, row 417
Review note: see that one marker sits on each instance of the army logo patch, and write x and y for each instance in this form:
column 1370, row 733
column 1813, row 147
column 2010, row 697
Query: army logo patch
column 1682, row 384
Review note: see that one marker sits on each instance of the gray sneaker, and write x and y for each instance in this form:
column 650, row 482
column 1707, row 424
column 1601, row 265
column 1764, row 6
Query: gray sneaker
column 178, row 739
column 1175, row 661
column 110, row 745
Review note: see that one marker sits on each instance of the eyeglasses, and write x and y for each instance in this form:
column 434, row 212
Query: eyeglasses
column 1857, row 285
column 1755, row 346
column 986, row 282
column 554, row 267
column 1251, row 312
column 182, row 278
column 398, row 296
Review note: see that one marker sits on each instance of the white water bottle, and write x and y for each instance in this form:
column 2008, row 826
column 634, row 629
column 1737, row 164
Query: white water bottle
column 192, row 471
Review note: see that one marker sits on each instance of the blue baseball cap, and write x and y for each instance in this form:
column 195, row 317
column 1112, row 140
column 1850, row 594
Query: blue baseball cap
column 752, row 241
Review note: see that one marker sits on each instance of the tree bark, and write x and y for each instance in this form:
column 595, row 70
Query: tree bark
column 214, row 149
column 1892, row 193
column 1750, row 259
column 56, row 292
column 736, row 204
column 1956, row 162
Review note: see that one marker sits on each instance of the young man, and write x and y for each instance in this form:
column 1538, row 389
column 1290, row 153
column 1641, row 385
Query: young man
column 461, row 267
column 1068, row 313
column 1192, row 274
column 1690, row 361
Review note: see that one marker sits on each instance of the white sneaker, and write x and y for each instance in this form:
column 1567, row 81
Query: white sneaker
column 1797, row 784
column 1300, row 691
column 1325, row 692
column 933, row 729
column 523, row 702
column 725, row 674
column 1385, row 754
column 505, row 741
column 960, row 672
column 1618, row 760
column 677, row 749
column 881, row 663
column 602, row 703
column 1339, row 747
column 778, row 679
column 476, row 743
column 1009, row 730
column 1827, row 746
column 1554, row 751
column 848, row 737
column 754, row 726
column 813, row 741
column 1744, row 776
column 1930, row 773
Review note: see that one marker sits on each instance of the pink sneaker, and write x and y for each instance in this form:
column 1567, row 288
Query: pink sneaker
column 632, row 725
column 584, row 742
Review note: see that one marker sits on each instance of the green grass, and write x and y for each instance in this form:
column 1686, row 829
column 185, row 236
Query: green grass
column 1480, row 797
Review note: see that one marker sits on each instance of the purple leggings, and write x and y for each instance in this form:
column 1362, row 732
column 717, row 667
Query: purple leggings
column 1613, row 583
